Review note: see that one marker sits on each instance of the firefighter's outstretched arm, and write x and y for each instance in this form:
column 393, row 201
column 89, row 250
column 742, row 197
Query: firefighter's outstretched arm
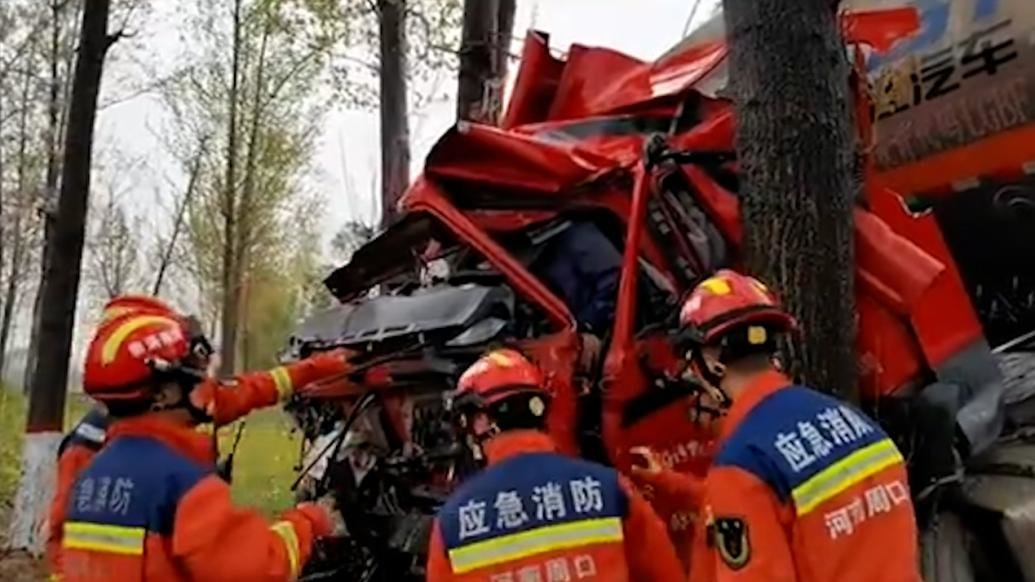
column 648, row 549
column 227, row 401
column 214, row 540
column 748, row 541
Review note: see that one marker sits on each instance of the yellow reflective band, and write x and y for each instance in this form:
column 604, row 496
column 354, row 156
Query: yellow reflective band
column 113, row 539
column 111, row 345
column 286, row 531
column 537, row 541
column 282, row 380
column 717, row 286
column 844, row 473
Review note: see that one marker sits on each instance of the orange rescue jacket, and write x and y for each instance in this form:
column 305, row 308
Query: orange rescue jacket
column 149, row 507
column 534, row 514
column 804, row 488
column 228, row 400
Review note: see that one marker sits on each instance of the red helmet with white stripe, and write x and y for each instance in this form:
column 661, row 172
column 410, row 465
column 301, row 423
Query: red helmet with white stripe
column 139, row 339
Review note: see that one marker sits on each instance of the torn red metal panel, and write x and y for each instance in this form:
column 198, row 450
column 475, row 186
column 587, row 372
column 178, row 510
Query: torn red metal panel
column 483, row 154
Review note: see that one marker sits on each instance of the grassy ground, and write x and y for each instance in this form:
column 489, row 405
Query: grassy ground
column 264, row 460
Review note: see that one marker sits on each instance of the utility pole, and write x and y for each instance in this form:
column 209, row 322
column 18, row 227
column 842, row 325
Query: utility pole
column 60, row 288
column 789, row 77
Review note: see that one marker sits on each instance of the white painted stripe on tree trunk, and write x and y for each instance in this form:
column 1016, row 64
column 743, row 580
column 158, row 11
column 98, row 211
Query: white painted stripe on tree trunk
column 35, row 490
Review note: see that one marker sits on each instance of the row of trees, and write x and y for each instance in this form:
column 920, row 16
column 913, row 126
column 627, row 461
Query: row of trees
column 236, row 227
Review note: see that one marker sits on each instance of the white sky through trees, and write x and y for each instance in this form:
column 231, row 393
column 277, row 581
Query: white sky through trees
column 346, row 166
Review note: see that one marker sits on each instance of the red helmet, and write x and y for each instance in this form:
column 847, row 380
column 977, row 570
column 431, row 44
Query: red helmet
column 728, row 300
column 128, row 349
column 497, row 375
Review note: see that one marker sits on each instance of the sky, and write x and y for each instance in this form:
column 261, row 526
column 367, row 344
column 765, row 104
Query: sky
column 346, row 165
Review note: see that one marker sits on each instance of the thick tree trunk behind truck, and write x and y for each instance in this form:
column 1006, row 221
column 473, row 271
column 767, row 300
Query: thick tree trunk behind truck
column 789, row 73
column 60, row 288
column 484, row 52
column 395, row 128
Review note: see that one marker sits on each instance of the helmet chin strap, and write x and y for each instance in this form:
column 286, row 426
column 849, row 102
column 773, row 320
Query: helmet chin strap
column 712, row 380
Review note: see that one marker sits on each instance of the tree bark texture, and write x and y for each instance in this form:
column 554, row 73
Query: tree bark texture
column 395, row 130
column 60, row 282
column 230, row 281
column 484, row 52
column 789, row 77
column 56, row 104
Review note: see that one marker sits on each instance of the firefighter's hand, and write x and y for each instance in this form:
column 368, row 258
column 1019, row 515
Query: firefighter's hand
column 203, row 397
column 646, row 467
column 330, row 506
column 645, row 461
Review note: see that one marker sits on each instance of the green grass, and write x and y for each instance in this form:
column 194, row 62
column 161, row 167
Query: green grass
column 264, row 460
column 12, row 425
column 262, row 466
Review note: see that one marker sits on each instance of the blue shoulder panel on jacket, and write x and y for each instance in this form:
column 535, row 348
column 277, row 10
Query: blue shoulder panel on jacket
column 527, row 492
column 793, row 434
column 136, row 482
column 89, row 432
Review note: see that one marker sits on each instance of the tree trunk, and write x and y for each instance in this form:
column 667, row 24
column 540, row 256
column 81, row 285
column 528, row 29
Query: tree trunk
column 501, row 45
column 245, row 225
column 484, row 52
column 789, row 77
column 476, row 61
column 231, row 283
column 48, row 207
column 395, row 131
column 60, row 287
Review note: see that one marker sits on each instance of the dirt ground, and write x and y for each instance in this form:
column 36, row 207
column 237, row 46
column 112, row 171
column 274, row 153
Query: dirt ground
column 17, row 566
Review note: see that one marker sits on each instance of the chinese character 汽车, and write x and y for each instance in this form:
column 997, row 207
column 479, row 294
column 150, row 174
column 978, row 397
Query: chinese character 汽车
column 982, row 55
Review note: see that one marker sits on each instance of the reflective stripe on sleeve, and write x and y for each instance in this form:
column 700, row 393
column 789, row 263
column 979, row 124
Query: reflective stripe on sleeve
column 287, row 534
column 97, row 537
column 536, row 541
column 282, row 379
column 843, row 474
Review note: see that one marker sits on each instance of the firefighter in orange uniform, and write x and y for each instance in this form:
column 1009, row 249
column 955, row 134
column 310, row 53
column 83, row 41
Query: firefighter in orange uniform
column 534, row 514
column 149, row 505
column 803, row 487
